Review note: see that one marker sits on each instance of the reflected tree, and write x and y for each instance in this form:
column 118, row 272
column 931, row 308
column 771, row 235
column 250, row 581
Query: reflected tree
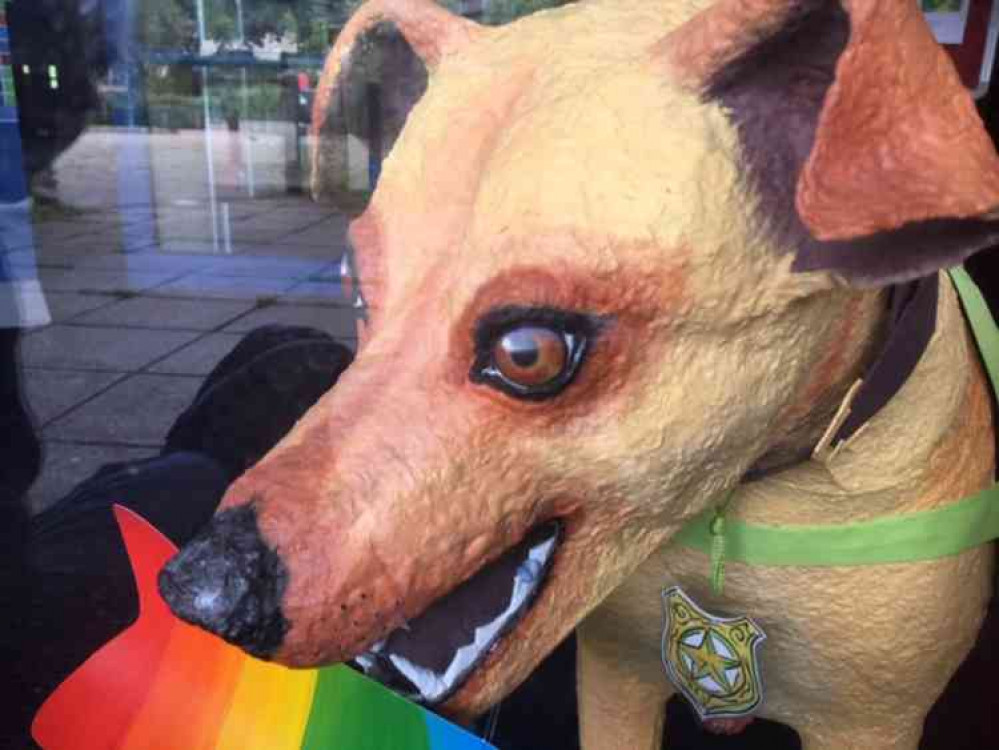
column 172, row 24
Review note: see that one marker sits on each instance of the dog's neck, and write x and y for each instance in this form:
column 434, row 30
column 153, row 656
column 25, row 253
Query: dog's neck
column 930, row 444
column 867, row 322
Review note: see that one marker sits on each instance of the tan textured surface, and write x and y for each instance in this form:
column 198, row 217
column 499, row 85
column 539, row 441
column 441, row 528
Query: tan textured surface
column 550, row 164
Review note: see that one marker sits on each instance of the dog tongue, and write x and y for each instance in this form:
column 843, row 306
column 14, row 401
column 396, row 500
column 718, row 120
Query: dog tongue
column 436, row 651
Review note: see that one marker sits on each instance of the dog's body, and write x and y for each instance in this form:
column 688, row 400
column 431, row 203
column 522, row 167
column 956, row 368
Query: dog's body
column 597, row 206
column 856, row 655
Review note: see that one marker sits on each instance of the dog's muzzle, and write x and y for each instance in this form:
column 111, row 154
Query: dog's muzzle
column 229, row 582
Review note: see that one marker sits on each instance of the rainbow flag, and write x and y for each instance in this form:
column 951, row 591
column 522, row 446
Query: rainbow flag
column 165, row 685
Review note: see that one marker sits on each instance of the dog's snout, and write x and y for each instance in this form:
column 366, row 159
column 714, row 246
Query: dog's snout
column 229, row 582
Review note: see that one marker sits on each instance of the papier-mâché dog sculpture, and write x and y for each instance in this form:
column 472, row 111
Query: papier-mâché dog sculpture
column 626, row 259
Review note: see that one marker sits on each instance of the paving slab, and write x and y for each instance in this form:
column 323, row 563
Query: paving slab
column 103, row 241
column 192, row 229
column 200, row 357
column 328, row 233
column 115, row 216
column 196, row 215
column 283, row 221
column 68, row 305
column 201, row 245
column 51, row 258
column 244, row 249
column 260, row 232
column 322, row 251
column 136, row 411
column 65, row 465
column 150, row 260
column 164, row 312
column 201, row 286
column 238, row 209
column 316, row 292
column 90, row 280
column 266, row 267
column 245, row 223
column 51, row 393
column 295, row 220
column 336, row 321
column 73, row 347
column 68, row 228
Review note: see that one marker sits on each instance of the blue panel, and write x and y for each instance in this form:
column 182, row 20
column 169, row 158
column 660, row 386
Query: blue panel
column 446, row 736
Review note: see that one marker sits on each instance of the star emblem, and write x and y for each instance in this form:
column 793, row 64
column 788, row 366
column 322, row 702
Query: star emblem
column 711, row 660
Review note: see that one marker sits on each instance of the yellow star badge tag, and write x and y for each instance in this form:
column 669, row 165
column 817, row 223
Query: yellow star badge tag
column 711, row 660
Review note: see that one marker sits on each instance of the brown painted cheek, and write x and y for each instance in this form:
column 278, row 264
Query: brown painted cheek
column 363, row 331
column 840, row 358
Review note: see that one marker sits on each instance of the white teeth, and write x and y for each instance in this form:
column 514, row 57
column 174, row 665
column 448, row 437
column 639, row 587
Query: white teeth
column 434, row 686
column 345, row 270
column 529, row 570
column 368, row 659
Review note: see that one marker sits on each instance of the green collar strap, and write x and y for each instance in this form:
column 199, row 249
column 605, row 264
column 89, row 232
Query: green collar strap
column 925, row 535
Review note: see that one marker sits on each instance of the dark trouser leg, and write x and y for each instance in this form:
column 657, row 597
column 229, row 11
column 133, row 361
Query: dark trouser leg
column 20, row 460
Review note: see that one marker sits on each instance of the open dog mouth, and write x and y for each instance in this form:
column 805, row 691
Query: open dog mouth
column 430, row 657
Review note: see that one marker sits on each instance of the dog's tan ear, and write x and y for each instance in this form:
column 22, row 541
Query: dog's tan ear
column 378, row 69
column 866, row 150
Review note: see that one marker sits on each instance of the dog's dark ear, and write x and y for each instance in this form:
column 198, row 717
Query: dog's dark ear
column 864, row 148
column 376, row 72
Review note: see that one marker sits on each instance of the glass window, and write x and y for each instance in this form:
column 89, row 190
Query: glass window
column 178, row 286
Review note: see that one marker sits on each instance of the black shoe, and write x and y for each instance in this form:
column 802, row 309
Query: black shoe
column 256, row 393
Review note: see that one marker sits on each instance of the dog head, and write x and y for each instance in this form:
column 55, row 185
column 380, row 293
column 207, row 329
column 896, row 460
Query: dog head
column 618, row 254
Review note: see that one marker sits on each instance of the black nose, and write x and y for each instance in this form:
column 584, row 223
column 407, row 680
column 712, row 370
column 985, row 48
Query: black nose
column 228, row 581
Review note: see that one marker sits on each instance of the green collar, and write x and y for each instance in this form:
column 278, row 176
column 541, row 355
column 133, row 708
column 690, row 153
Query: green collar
column 924, row 535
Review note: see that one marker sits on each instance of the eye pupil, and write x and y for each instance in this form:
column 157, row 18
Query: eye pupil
column 522, row 349
column 524, row 357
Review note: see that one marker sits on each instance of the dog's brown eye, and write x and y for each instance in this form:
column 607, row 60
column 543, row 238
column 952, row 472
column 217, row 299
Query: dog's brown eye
column 531, row 356
column 531, row 353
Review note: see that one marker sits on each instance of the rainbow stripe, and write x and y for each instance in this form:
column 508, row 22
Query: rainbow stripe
column 165, row 685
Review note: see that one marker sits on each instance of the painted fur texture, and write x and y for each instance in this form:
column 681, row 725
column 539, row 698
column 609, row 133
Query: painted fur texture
column 688, row 215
